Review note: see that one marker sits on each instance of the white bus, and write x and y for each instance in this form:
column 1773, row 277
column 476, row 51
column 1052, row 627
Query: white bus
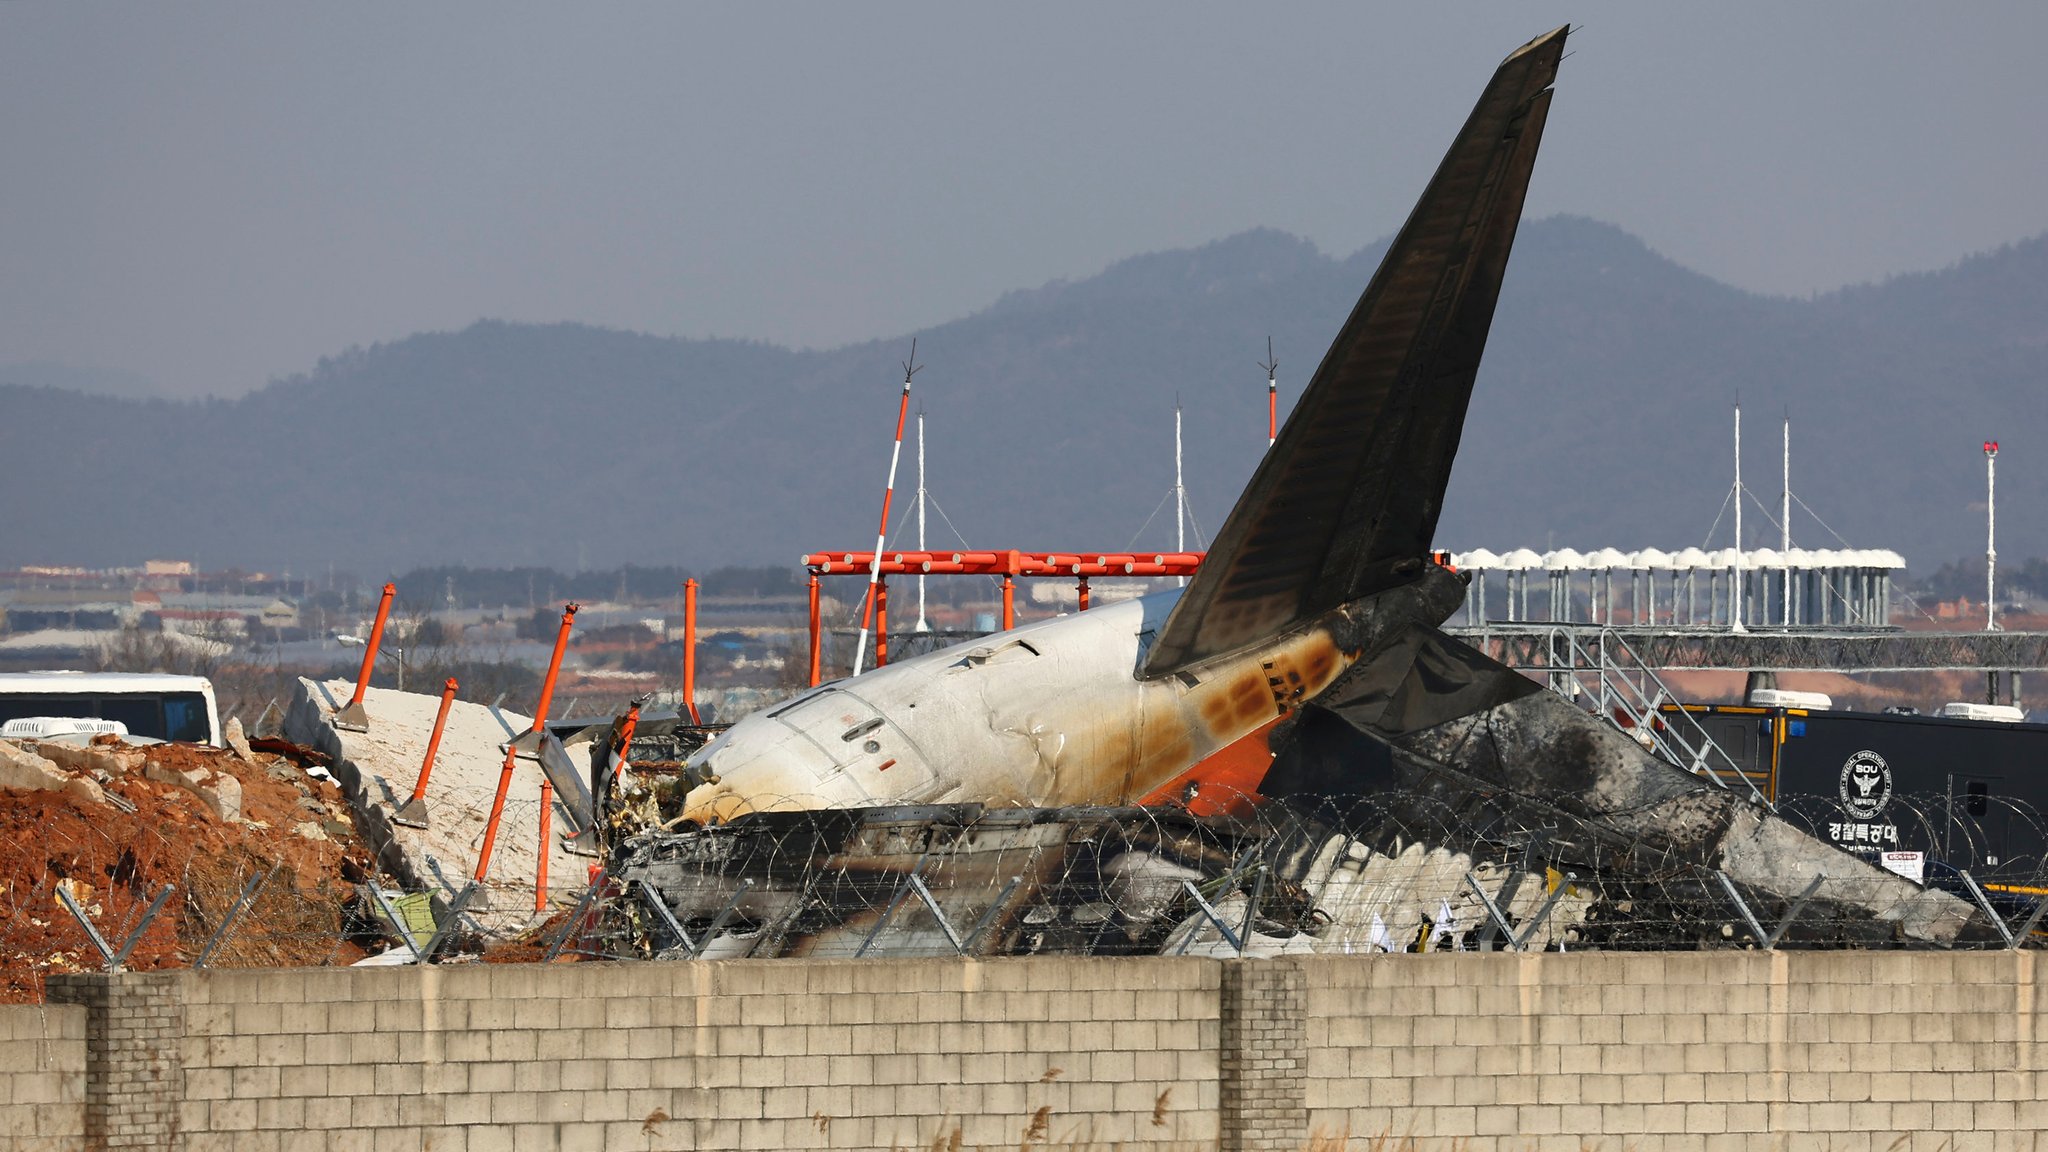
column 161, row 707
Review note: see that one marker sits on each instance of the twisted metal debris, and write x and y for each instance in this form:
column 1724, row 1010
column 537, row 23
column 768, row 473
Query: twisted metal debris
column 1351, row 876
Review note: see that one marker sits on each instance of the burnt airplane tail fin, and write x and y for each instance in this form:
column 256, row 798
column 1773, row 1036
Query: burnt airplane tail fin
column 1345, row 503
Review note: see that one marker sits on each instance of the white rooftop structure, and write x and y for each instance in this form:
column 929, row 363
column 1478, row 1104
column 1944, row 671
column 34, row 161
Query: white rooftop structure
column 1688, row 588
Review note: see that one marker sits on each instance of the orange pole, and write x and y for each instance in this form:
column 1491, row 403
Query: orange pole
column 419, row 790
column 817, row 636
column 376, row 639
column 690, row 651
column 547, row 686
column 540, row 720
column 1084, row 593
column 1272, row 413
column 881, row 622
column 626, row 731
column 483, row 856
column 1009, row 602
column 540, row 861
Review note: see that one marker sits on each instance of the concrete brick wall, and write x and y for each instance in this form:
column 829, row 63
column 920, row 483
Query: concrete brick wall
column 1678, row 1051
column 42, row 1078
column 1264, row 1056
column 1866, row 1051
column 776, row 1054
column 134, row 1037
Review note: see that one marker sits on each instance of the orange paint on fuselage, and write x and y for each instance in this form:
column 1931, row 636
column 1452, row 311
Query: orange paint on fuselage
column 1226, row 783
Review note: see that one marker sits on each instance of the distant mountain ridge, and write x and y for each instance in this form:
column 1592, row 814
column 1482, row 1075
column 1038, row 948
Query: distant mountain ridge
column 1601, row 418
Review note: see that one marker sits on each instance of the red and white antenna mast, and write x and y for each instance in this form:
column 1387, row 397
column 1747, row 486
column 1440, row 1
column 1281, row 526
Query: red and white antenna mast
column 921, row 625
column 1991, row 535
column 867, row 608
column 1272, row 367
column 1180, row 493
column 1785, row 526
column 1735, row 597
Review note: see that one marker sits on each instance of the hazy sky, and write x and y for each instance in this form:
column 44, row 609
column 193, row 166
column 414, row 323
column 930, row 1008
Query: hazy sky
column 211, row 195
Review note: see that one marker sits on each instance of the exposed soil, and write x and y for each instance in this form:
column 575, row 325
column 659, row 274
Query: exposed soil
column 114, row 863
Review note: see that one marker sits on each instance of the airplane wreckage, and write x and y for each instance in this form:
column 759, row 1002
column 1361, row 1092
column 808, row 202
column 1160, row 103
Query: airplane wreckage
column 1055, row 787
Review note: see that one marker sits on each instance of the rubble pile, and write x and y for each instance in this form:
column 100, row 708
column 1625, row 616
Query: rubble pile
column 112, row 824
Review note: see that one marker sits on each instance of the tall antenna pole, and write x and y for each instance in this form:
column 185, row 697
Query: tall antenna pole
column 921, row 626
column 1785, row 526
column 1180, row 494
column 1991, row 535
column 1735, row 598
column 867, row 609
column 1272, row 366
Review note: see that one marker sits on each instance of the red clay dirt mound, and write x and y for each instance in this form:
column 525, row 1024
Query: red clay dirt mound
column 115, row 862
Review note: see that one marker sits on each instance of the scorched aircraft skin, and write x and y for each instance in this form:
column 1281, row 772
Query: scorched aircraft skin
column 1108, row 705
column 1312, row 623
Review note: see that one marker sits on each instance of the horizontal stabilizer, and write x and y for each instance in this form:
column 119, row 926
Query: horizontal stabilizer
column 1346, row 502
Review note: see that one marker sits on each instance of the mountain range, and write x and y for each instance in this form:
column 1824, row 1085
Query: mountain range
column 1601, row 418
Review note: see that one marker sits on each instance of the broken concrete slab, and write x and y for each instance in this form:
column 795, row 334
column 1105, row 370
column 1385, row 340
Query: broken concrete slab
column 233, row 736
column 219, row 791
column 21, row 768
column 114, row 760
column 24, row 771
column 377, row 770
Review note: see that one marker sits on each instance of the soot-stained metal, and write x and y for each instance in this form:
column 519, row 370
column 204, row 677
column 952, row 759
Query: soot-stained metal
column 1393, row 787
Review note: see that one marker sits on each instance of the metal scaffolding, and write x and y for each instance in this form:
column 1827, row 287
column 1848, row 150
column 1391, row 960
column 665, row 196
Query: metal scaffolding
column 1818, row 650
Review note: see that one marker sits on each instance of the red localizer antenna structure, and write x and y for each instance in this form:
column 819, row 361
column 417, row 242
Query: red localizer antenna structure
column 867, row 611
column 540, row 859
column 817, row 631
column 689, row 707
column 413, row 813
column 352, row 718
column 1272, row 367
column 528, row 742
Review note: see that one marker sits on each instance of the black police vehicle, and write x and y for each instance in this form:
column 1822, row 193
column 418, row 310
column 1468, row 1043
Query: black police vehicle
column 1928, row 797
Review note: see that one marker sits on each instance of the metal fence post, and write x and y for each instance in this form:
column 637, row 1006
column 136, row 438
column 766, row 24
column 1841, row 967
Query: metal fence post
column 397, row 921
column 932, row 905
column 1251, row 907
column 1990, row 913
column 1214, row 918
column 1493, row 913
column 654, row 902
column 113, row 958
column 989, row 917
column 98, row 942
column 576, row 916
column 247, row 898
column 1543, row 913
column 732, row 904
column 135, row 937
column 2026, row 931
column 881, row 922
column 448, row 922
column 1756, row 929
column 1798, row 906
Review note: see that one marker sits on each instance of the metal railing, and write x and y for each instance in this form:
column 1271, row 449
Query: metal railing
column 1627, row 693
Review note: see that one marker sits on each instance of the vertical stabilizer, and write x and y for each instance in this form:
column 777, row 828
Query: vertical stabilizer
column 1344, row 505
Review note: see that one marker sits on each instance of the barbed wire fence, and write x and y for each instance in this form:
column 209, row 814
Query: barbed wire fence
column 1351, row 876
column 1361, row 875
